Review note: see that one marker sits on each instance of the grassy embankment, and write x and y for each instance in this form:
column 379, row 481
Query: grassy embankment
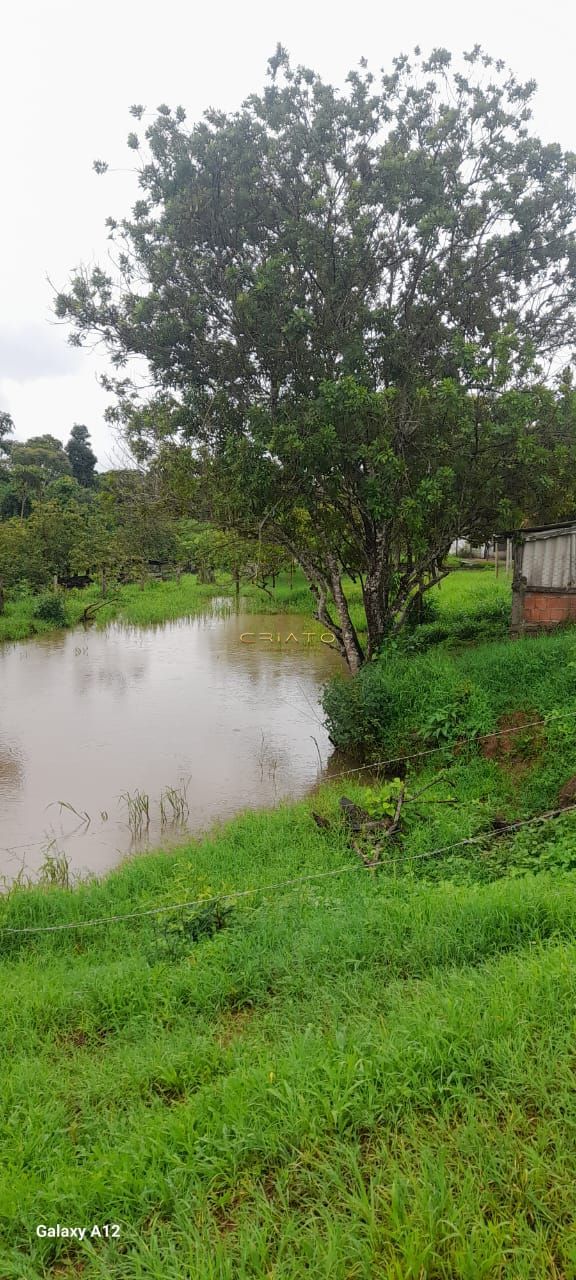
column 364, row 1075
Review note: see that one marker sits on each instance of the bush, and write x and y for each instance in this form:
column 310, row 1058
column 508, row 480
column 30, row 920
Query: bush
column 50, row 608
column 400, row 703
column 423, row 610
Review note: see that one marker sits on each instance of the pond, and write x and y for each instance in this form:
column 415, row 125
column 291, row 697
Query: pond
column 124, row 739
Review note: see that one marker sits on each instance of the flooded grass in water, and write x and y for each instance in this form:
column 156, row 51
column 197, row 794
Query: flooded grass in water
column 174, row 807
column 138, row 811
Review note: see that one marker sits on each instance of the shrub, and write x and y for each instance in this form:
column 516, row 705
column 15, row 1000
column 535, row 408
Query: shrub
column 392, row 699
column 50, row 608
column 402, row 702
column 423, row 611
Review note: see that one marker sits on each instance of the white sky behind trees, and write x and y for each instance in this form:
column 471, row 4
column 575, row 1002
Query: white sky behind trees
column 71, row 70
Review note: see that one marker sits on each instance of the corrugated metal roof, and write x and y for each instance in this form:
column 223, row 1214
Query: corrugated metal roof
column 552, row 531
column 549, row 557
column 539, row 528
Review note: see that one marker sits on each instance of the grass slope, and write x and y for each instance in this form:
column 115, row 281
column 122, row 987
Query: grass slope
column 406, row 702
column 356, row 1076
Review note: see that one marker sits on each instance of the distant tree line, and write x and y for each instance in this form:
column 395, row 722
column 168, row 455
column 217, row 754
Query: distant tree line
column 62, row 521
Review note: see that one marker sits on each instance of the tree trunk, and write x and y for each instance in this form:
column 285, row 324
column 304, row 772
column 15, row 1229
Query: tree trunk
column 319, row 587
column 324, row 579
column 376, row 585
column 353, row 650
column 377, row 615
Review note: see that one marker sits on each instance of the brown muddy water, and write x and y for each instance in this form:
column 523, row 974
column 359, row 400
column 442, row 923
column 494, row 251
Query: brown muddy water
column 90, row 719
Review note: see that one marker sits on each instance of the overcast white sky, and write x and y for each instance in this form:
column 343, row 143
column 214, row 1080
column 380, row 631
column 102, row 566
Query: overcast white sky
column 69, row 74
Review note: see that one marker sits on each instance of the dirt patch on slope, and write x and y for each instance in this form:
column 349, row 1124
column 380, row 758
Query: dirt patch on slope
column 567, row 794
column 517, row 742
column 232, row 1025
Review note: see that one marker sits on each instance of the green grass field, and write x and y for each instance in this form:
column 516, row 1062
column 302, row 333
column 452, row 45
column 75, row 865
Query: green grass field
column 357, row 1076
column 471, row 589
column 461, row 595
column 154, row 603
column 157, row 602
column 361, row 1074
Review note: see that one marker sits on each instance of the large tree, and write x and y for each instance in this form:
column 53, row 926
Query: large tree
column 81, row 456
column 33, row 465
column 349, row 304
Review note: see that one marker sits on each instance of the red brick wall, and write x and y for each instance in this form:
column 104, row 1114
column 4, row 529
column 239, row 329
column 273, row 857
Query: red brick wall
column 548, row 608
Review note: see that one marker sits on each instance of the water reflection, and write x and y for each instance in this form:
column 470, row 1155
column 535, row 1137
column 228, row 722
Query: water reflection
column 11, row 769
column 89, row 718
column 109, row 677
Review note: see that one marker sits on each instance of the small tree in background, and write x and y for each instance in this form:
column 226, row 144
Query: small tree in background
column 6, row 428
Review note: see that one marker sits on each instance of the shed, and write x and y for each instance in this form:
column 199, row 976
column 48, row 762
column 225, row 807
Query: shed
column 544, row 580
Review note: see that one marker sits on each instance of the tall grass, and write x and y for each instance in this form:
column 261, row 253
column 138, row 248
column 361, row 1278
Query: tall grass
column 466, row 590
column 155, row 603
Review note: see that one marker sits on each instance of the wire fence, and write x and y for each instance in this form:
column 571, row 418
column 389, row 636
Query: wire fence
column 537, row 725
column 375, row 765
column 234, row 895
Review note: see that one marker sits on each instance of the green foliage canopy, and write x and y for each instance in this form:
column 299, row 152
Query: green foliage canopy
column 81, row 456
column 348, row 304
column 33, row 464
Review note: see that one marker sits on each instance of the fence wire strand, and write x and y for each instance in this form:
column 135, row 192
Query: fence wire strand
column 235, row 895
column 381, row 764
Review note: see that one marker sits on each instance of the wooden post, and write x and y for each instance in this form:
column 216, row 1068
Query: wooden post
column 496, row 558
